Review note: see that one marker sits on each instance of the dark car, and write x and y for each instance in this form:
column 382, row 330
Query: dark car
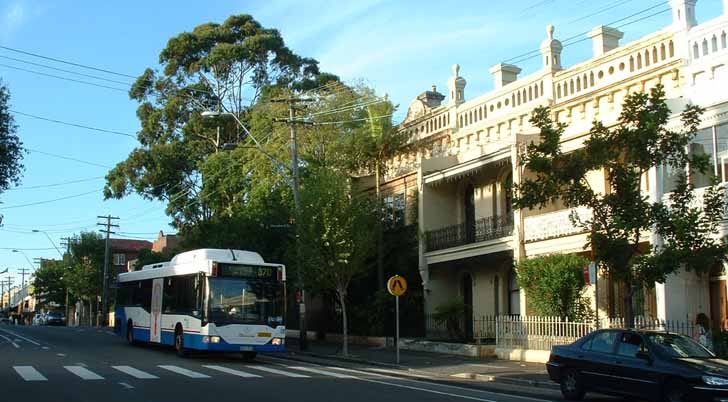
column 55, row 318
column 652, row 365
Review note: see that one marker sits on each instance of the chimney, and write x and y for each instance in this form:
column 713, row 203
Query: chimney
column 605, row 39
column 683, row 14
column 504, row 74
column 432, row 98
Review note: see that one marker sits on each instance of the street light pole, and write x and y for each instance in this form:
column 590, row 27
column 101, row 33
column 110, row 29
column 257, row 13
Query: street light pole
column 50, row 240
column 32, row 267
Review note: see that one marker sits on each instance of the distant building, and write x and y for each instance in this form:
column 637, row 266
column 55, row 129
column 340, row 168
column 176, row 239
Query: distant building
column 125, row 250
column 165, row 242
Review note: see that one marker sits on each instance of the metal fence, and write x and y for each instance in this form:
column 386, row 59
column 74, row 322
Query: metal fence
column 483, row 229
column 542, row 333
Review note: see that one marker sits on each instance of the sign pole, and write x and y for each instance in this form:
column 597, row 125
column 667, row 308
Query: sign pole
column 396, row 337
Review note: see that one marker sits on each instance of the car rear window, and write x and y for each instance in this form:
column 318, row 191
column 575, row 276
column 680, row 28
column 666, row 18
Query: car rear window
column 602, row 342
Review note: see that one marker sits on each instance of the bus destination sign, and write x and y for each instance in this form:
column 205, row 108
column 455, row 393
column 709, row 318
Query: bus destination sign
column 247, row 271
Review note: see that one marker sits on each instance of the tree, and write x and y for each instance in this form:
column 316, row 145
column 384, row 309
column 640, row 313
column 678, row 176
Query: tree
column 11, row 148
column 337, row 230
column 555, row 285
column 49, row 285
column 84, row 271
column 221, row 67
column 625, row 154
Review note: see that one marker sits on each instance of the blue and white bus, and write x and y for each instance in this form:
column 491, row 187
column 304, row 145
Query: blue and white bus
column 207, row 299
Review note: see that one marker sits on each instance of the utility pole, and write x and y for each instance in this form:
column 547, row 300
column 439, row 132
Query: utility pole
column 293, row 123
column 66, row 241
column 105, row 288
column 23, row 272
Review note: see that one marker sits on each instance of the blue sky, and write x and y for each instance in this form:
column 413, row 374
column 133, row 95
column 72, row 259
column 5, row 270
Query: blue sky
column 400, row 47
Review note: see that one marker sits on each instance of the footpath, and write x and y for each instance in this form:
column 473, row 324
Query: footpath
column 429, row 365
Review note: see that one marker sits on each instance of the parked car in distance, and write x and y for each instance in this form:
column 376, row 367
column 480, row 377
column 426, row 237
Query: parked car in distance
column 38, row 319
column 55, row 318
column 651, row 365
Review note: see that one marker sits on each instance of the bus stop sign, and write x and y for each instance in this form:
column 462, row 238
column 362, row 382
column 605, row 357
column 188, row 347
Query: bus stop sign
column 397, row 285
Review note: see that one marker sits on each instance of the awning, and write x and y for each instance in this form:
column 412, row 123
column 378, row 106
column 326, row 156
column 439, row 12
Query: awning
column 498, row 158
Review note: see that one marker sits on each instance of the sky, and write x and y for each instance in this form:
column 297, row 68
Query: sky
column 401, row 48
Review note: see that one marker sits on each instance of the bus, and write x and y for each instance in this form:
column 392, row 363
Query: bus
column 208, row 299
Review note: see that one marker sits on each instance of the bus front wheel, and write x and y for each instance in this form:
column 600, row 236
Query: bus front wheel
column 248, row 356
column 130, row 333
column 179, row 342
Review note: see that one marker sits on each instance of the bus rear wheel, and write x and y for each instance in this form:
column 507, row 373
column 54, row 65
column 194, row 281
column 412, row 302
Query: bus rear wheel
column 179, row 342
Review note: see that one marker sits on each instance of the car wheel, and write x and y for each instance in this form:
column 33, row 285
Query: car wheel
column 572, row 387
column 179, row 343
column 675, row 391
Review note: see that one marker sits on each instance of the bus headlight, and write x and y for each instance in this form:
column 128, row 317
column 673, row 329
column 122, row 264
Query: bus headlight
column 277, row 341
column 215, row 339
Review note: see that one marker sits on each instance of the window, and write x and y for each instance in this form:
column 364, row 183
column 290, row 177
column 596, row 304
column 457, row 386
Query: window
column 394, row 210
column 603, row 342
column 142, row 294
column 514, row 294
column 702, row 145
column 722, row 146
column 180, row 294
column 119, row 259
column 629, row 344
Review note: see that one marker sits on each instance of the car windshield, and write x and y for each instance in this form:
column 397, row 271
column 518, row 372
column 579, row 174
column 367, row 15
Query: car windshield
column 245, row 301
column 678, row 345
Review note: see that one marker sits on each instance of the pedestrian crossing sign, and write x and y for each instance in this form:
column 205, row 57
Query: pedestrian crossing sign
column 397, row 285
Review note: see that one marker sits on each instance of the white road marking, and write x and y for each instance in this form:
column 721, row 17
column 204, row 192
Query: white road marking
column 110, row 333
column 21, row 337
column 398, row 373
column 83, row 372
column 184, row 372
column 61, row 354
column 136, row 373
column 11, row 341
column 125, row 385
column 275, row 371
column 45, row 348
column 29, row 373
column 488, row 366
column 437, row 385
column 317, row 371
column 233, row 372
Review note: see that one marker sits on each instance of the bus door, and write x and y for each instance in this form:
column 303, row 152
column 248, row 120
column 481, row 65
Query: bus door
column 156, row 324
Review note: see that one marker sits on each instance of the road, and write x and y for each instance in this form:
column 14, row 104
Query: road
column 62, row 364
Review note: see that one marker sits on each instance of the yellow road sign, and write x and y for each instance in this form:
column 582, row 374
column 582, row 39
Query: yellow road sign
column 397, row 285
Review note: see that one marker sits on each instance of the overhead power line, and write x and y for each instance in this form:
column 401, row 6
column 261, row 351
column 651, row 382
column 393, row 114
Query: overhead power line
column 56, row 184
column 102, row 130
column 66, row 62
column 64, row 78
column 68, row 158
column 96, row 77
column 51, row 200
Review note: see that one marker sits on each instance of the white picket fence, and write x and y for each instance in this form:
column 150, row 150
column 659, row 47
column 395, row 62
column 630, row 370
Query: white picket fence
column 542, row 333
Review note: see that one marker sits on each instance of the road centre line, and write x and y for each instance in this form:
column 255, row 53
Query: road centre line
column 11, row 341
column 21, row 337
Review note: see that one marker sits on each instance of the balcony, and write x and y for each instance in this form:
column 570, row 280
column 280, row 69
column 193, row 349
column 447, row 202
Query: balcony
column 554, row 224
column 484, row 229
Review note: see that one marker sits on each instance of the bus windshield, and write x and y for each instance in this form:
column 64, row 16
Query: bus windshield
column 245, row 301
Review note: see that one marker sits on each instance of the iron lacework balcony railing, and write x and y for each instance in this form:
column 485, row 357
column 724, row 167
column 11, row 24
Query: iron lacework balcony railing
column 492, row 227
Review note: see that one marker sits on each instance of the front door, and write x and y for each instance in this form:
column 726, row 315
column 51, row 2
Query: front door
column 468, row 301
column 155, row 332
column 718, row 310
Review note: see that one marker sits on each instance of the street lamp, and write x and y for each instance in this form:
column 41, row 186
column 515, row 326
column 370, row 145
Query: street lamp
column 50, row 240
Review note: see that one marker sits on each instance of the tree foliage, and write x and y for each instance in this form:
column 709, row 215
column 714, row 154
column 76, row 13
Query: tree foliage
column 85, row 266
column 11, row 148
column 640, row 141
column 222, row 67
column 49, row 285
column 555, row 285
column 337, row 236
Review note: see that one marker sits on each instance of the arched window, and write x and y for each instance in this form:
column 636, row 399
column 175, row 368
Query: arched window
column 696, row 51
column 631, row 64
column 518, row 98
column 705, row 47
column 654, row 54
column 647, row 58
column 558, row 91
column 571, row 86
column 714, row 42
column 578, row 84
column 671, row 48
column 591, row 79
column 639, row 61
column 540, row 85
column 662, row 52
column 723, row 40
column 535, row 91
column 530, row 93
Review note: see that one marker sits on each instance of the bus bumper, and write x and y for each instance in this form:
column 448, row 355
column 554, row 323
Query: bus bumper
column 197, row 342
